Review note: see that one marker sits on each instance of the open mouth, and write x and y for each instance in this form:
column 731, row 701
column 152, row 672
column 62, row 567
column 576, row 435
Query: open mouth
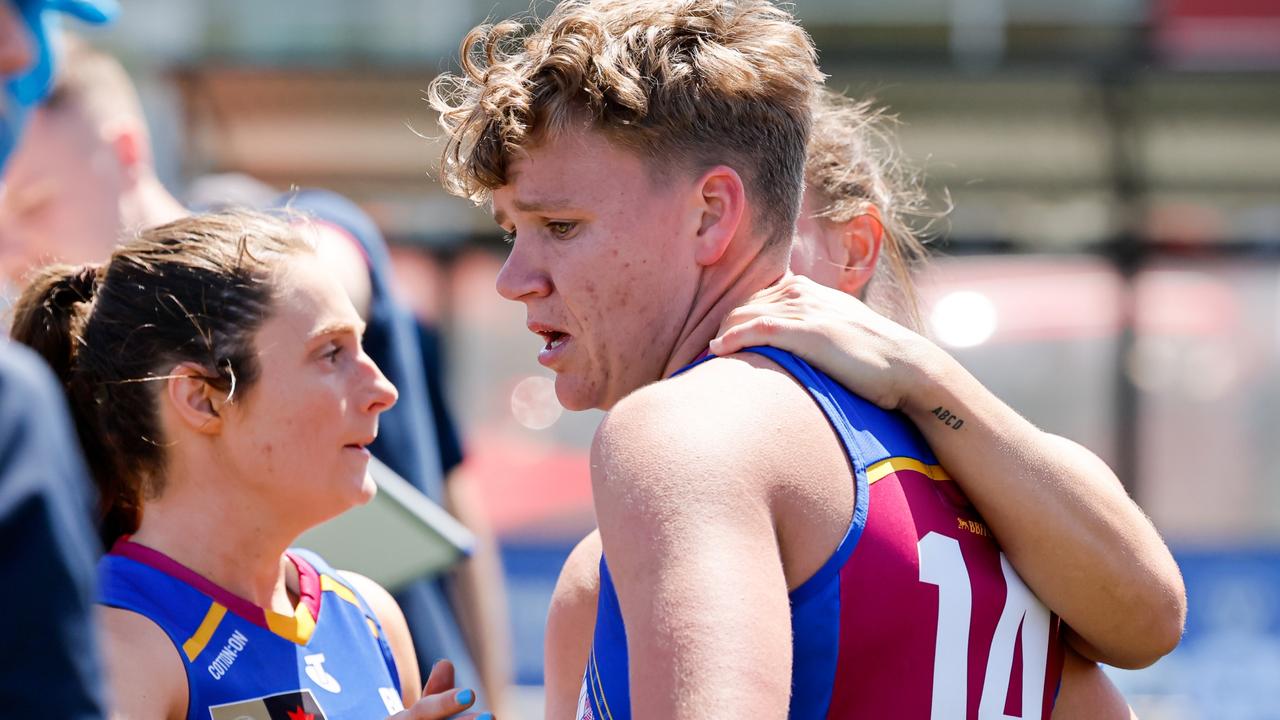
column 553, row 339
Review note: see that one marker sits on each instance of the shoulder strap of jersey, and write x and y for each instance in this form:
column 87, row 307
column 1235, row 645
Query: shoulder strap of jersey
column 333, row 581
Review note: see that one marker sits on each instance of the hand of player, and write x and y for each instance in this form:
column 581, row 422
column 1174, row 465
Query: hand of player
column 439, row 699
column 861, row 349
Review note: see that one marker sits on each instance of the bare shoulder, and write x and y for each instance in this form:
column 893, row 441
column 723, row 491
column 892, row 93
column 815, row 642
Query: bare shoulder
column 379, row 600
column 385, row 607
column 147, row 676
column 734, row 413
column 579, row 581
column 570, row 626
column 732, row 439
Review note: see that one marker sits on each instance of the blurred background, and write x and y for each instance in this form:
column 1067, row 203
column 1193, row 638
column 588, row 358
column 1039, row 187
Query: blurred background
column 1111, row 266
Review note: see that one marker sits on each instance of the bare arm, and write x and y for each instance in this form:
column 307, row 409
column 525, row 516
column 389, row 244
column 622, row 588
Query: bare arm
column 1061, row 515
column 570, row 627
column 1088, row 694
column 146, row 675
column 696, row 565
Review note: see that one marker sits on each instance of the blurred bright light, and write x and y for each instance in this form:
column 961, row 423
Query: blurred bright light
column 534, row 404
column 963, row 319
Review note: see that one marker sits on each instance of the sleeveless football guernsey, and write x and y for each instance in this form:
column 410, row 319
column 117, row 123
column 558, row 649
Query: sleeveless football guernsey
column 917, row 614
column 329, row 660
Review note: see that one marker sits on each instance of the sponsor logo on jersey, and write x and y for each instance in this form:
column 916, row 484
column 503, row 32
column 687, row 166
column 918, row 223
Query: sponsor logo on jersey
column 227, row 655
column 292, row 705
column 976, row 527
column 391, row 699
column 318, row 675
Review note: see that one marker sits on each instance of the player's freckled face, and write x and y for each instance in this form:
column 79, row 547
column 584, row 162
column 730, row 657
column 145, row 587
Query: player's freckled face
column 602, row 260
column 300, row 433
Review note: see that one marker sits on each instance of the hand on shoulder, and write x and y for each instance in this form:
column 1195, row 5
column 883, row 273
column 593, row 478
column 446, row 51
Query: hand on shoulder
column 873, row 356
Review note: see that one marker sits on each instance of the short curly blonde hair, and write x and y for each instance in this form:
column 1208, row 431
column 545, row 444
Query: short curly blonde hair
column 683, row 83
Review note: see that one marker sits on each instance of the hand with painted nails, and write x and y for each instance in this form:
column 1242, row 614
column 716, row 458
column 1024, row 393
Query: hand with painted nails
column 440, row 700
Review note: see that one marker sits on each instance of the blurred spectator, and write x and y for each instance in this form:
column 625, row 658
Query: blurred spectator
column 49, row 668
column 84, row 171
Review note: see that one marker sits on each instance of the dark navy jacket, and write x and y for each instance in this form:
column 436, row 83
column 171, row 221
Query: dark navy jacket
column 49, row 666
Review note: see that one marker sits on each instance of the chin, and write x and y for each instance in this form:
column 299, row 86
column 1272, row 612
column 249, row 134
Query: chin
column 367, row 489
column 574, row 394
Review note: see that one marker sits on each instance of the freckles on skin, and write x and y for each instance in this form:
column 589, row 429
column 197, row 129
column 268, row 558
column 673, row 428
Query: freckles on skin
column 268, row 458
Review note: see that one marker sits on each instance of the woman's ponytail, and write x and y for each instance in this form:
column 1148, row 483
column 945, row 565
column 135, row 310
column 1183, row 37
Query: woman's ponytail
column 50, row 314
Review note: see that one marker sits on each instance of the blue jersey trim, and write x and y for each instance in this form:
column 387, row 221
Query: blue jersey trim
column 325, row 568
column 825, row 393
column 609, row 690
column 342, row 634
column 868, row 434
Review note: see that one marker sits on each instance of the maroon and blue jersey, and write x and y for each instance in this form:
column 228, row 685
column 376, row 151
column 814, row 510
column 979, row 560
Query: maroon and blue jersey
column 329, row 659
column 917, row 613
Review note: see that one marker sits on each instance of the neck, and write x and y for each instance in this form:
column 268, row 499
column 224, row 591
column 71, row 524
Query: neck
column 149, row 204
column 227, row 537
column 722, row 288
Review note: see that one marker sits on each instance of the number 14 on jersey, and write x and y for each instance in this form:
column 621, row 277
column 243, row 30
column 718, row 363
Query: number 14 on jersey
column 942, row 564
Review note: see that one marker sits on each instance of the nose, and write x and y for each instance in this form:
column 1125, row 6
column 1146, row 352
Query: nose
column 520, row 278
column 380, row 394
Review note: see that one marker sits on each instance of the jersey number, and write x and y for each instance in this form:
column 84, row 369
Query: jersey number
column 942, row 564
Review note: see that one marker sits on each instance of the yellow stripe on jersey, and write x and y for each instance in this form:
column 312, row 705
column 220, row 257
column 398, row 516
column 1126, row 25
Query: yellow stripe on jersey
column 593, row 675
column 297, row 629
column 897, row 464
column 336, row 587
column 200, row 639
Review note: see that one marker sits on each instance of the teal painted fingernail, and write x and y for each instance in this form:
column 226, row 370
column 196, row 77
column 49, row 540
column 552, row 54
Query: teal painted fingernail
column 486, row 716
column 465, row 697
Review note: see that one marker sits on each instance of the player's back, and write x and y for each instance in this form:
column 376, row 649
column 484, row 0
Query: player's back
column 915, row 615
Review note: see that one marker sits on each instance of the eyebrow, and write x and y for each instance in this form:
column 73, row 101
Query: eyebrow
column 338, row 328
column 532, row 206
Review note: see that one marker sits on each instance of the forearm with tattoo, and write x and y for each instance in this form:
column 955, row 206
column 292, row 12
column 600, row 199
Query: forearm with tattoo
column 950, row 420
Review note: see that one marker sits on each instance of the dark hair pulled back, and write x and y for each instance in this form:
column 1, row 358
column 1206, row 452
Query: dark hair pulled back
column 195, row 290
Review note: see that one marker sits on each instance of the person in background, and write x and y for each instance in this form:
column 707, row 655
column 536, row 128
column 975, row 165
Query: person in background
column 216, row 376
column 859, row 239
column 57, row 206
column 50, row 666
column 84, row 175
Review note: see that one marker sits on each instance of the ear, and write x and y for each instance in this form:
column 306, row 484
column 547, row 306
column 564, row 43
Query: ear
column 721, row 204
column 862, row 238
column 130, row 150
column 194, row 401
